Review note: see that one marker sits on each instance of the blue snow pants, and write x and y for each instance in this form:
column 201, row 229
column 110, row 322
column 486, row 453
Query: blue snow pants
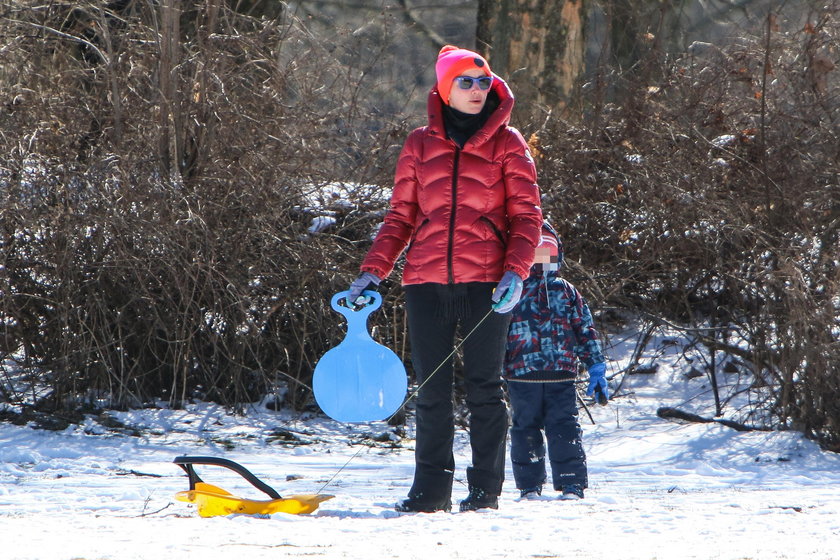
column 548, row 408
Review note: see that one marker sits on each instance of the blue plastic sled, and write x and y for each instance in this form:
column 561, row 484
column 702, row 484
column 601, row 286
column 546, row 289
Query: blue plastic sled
column 359, row 380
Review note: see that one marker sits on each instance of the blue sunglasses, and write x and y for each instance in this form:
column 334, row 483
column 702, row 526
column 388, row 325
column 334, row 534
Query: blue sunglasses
column 466, row 82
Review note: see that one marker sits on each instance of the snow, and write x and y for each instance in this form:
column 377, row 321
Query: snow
column 321, row 223
column 658, row 489
column 724, row 140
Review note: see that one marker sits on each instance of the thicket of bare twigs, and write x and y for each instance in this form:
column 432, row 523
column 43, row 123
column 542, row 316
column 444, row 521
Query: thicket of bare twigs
column 157, row 196
column 710, row 198
column 159, row 175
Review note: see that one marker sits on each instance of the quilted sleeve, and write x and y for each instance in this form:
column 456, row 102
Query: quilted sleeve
column 587, row 345
column 398, row 225
column 522, row 203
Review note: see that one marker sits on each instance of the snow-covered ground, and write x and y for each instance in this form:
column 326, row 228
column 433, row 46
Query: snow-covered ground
column 658, row 489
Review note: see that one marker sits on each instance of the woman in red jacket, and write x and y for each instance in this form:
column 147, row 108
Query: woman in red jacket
column 467, row 208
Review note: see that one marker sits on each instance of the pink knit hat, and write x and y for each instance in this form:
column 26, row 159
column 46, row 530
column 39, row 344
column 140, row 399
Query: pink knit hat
column 453, row 62
column 549, row 241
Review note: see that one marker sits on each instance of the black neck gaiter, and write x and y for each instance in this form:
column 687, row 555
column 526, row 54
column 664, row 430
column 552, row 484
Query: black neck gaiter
column 461, row 126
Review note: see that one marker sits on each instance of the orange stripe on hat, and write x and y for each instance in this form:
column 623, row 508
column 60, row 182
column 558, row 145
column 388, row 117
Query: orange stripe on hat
column 453, row 62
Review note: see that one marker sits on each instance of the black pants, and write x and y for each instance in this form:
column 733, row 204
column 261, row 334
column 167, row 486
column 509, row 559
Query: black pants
column 435, row 312
column 549, row 408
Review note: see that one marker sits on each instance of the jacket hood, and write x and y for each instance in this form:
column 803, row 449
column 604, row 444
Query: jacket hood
column 500, row 117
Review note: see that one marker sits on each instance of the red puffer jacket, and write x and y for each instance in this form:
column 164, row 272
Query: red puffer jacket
column 466, row 214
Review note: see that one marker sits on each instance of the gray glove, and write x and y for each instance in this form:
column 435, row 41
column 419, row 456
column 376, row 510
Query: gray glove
column 507, row 293
column 363, row 282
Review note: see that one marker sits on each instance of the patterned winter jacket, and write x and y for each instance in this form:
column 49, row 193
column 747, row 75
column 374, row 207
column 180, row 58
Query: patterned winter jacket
column 465, row 214
column 551, row 330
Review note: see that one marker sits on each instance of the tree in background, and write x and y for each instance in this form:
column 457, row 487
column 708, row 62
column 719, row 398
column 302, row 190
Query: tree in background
column 539, row 47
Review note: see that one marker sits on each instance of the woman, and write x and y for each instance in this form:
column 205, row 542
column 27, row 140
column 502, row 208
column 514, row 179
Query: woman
column 466, row 204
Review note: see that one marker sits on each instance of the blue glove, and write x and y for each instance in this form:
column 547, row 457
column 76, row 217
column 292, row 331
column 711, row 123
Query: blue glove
column 598, row 383
column 359, row 285
column 507, row 292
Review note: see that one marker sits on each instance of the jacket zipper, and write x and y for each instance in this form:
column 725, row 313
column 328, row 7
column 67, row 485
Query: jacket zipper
column 450, row 247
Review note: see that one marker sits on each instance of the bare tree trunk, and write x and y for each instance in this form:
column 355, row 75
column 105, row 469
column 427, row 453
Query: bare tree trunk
column 110, row 72
column 538, row 46
column 170, row 141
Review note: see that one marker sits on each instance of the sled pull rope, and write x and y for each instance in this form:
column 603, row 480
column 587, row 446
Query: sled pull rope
column 409, row 397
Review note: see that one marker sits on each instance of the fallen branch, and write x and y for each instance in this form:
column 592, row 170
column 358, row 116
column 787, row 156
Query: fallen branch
column 668, row 412
column 583, row 404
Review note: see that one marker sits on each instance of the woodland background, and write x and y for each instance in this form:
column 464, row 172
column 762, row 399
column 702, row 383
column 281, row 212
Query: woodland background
column 185, row 183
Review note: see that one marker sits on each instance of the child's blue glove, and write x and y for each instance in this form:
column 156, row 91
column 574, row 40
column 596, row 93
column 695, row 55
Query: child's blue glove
column 598, row 383
column 507, row 292
column 360, row 284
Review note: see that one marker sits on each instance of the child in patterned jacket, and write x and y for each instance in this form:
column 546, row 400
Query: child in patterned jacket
column 551, row 332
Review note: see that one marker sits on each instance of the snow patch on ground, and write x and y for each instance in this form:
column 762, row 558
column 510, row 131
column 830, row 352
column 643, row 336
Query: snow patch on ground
column 659, row 489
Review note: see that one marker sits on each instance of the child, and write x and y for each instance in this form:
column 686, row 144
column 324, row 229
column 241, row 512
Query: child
column 551, row 330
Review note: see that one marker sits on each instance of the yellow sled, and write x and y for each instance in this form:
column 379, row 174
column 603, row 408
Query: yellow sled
column 211, row 500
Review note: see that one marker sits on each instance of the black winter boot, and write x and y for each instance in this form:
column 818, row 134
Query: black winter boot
column 479, row 499
column 418, row 505
column 571, row 492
